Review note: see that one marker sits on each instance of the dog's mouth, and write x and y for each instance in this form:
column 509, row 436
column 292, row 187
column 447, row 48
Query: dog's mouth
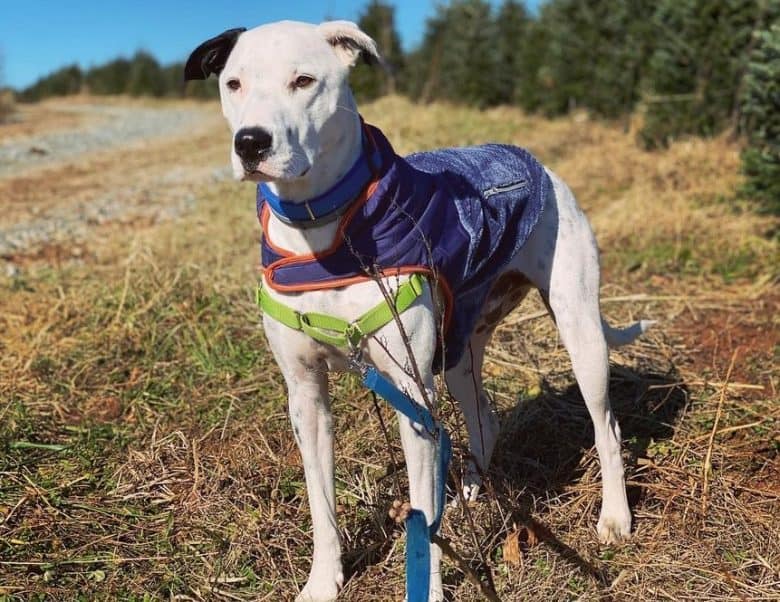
column 256, row 175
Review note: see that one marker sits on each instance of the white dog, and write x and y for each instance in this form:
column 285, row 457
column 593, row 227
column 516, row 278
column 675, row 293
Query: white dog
column 284, row 91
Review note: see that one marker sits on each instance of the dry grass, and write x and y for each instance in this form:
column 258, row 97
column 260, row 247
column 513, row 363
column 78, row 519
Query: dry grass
column 145, row 451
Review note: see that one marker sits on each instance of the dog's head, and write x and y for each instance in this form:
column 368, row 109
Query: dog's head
column 284, row 91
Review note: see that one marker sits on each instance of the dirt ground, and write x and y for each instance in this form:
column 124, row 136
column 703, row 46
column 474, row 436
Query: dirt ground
column 145, row 451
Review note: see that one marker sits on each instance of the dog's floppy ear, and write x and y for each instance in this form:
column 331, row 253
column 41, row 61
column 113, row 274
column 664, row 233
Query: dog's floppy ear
column 211, row 56
column 350, row 42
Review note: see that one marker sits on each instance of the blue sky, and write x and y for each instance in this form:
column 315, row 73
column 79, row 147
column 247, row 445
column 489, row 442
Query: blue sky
column 39, row 36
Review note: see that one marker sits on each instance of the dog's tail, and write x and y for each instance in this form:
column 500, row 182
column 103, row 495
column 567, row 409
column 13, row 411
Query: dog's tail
column 616, row 337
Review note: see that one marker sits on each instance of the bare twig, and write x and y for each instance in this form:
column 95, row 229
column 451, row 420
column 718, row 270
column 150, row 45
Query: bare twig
column 396, row 483
column 708, row 458
column 460, row 562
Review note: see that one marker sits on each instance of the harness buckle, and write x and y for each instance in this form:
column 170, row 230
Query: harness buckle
column 355, row 361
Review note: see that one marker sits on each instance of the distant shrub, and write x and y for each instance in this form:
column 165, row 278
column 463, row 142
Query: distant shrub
column 761, row 121
column 109, row 78
column 62, row 82
column 146, row 77
column 6, row 104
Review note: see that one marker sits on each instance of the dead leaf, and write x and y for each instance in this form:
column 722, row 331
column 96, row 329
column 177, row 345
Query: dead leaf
column 517, row 541
column 528, row 536
column 512, row 554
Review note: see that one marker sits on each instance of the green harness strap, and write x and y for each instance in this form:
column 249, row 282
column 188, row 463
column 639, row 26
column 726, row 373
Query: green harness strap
column 335, row 331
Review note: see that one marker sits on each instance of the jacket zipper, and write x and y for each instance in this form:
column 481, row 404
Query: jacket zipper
column 506, row 188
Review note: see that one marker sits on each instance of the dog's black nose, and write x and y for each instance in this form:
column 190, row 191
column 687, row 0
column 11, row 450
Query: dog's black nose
column 252, row 145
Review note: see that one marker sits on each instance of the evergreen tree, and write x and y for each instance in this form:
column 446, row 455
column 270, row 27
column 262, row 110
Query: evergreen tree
column 594, row 53
column 109, row 78
column 369, row 82
column 457, row 59
column 533, row 81
column 761, row 119
column 145, row 77
column 423, row 65
column 511, row 36
column 700, row 58
column 627, row 44
column 64, row 81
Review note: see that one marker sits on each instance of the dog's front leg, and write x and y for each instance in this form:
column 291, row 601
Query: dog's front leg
column 305, row 374
column 420, row 454
column 312, row 425
column 418, row 445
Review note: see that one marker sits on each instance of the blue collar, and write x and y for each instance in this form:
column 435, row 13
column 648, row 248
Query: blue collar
column 331, row 203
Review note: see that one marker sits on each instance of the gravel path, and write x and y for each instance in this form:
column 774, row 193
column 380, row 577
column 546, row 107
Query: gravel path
column 114, row 126
column 156, row 193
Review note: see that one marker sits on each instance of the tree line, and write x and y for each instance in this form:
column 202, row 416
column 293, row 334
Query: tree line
column 140, row 75
column 693, row 67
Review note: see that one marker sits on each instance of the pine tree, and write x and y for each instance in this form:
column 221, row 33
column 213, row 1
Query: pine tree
column 512, row 25
column 594, row 53
column 695, row 71
column 109, row 78
column 457, row 60
column 761, row 120
column 62, row 82
column 369, row 82
column 145, row 77
column 532, row 80
column 423, row 66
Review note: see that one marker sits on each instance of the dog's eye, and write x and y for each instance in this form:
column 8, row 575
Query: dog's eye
column 233, row 84
column 303, row 81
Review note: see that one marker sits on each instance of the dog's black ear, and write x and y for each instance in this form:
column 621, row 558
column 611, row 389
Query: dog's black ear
column 211, row 56
column 350, row 42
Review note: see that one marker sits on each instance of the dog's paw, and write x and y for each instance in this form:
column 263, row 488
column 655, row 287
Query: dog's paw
column 470, row 493
column 613, row 530
column 472, row 483
column 317, row 594
column 435, row 593
column 320, row 590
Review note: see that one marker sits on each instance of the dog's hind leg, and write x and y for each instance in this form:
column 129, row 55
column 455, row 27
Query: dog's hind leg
column 464, row 382
column 573, row 298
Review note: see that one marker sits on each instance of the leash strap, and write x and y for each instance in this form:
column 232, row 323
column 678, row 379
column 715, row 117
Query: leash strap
column 418, row 532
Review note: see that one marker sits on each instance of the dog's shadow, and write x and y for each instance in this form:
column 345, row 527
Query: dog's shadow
column 543, row 439
column 546, row 447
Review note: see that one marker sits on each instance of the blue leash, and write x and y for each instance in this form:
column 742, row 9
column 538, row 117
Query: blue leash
column 418, row 532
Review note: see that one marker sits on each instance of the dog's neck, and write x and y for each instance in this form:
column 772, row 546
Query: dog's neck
column 336, row 156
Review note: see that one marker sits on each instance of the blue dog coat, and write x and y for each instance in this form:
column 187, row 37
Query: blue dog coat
column 457, row 215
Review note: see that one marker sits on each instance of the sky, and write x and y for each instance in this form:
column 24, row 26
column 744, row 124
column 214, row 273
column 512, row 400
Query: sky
column 39, row 36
